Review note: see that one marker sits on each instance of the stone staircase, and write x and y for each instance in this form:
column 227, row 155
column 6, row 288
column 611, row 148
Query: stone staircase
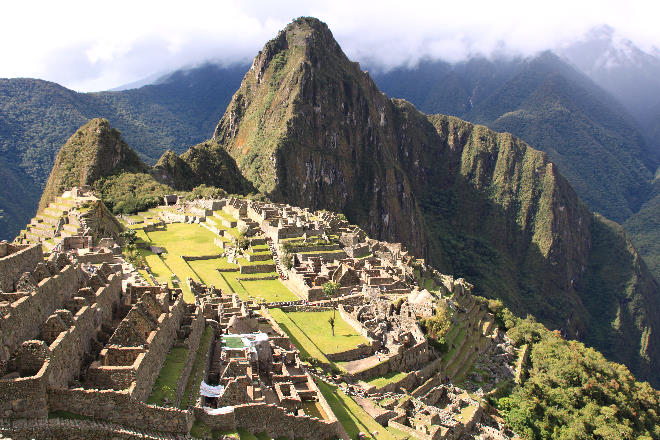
column 59, row 219
column 276, row 258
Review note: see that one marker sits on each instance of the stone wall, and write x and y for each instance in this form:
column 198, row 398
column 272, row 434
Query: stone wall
column 257, row 268
column 19, row 259
column 352, row 354
column 26, row 315
column 24, row 397
column 220, row 422
column 96, row 257
column 73, row 429
column 200, row 257
column 407, row 359
column 326, row 256
column 160, row 342
column 68, row 350
column 357, row 325
column 275, row 421
column 119, row 407
column 192, row 342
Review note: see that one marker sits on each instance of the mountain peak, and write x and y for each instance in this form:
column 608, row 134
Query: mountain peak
column 95, row 150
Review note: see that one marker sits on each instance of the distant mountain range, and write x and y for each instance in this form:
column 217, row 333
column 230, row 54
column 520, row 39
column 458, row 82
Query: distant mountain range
column 37, row 117
column 591, row 106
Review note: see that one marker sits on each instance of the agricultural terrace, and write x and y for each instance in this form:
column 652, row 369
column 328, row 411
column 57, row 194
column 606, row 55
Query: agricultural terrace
column 183, row 239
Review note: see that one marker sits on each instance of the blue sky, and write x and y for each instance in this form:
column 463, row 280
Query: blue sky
column 91, row 46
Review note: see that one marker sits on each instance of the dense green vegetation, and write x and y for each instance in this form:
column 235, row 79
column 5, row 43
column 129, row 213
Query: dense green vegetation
column 573, row 392
column 644, row 229
column 94, row 151
column 128, row 193
column 552, row 106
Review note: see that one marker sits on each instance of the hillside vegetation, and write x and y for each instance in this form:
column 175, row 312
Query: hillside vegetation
column 573, row 392
column 554, row 108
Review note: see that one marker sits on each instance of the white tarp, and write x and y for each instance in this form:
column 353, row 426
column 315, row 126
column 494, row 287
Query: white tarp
column 216, row 411
column 207, row 390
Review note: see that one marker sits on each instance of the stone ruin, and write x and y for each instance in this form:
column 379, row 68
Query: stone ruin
column 444, row 412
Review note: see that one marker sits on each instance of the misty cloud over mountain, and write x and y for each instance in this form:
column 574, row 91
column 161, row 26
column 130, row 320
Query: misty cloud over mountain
column 85, row 48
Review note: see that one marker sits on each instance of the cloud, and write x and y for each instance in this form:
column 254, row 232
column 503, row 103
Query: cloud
column 94, row 46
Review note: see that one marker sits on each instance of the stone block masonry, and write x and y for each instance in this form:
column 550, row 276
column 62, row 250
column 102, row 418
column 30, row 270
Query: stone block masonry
column 274, row 420
column 57, row 364
column 23, row 318
column 17, row 260
column 119, row 407
column 197, row 328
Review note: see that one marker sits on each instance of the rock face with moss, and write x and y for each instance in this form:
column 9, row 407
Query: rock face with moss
column 95, row 150
column 308, row 127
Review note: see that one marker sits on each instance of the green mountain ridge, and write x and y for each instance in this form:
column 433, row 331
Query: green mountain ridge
column 94, row 151
column 553, row 107
column 308, row 127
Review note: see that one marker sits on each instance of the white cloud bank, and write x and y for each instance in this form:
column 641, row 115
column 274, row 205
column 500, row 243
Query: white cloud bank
column 99, row 45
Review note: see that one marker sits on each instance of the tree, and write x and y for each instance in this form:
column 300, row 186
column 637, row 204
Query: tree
column 331, row 321
column 330, row 289
column 129, row 235
column 287, row 260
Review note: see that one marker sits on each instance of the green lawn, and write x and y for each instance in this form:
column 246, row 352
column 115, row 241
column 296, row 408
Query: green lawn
column 315, row 325
column 269, row 290
column 311, row 334
column 178, row 239
column 351, row 416
column 185, row 239
column 257, row 290
column 225, row 215
column 193, row 240
column 208, row 270
column 233, row 342
column 165, row 384
column 244, row 262
column 305, row 345
column 387, row 379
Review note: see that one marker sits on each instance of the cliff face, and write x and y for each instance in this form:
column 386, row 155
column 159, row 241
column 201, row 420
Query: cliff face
column 95, row 150
column 308, row 127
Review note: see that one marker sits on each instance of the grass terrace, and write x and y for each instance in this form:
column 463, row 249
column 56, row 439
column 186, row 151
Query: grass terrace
column 389, row 378
column 244, row 262
column 310, row 332
column 165, row 384
column 315, row 325
column 351, row 416
column 177, row 239
column 224, row 214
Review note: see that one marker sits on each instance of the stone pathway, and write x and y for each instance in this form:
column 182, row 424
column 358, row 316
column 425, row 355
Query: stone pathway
column 358, row 365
